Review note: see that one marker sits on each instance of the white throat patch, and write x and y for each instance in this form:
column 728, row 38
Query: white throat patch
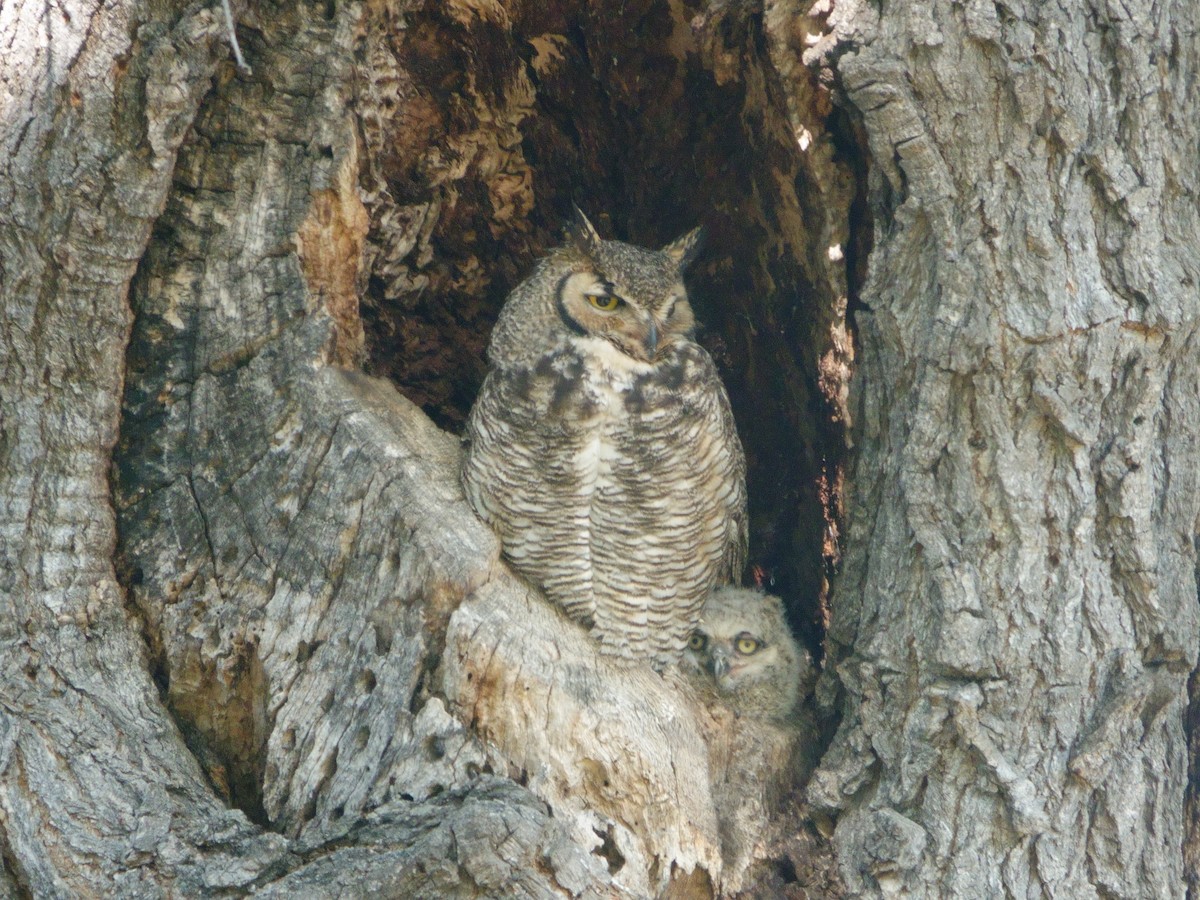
column 618, row 366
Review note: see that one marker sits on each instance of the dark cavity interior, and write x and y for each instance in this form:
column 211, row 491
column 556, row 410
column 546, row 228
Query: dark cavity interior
column 653, row 117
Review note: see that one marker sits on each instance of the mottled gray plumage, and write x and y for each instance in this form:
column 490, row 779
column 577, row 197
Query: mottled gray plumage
column 744, row 650
column 602, row 449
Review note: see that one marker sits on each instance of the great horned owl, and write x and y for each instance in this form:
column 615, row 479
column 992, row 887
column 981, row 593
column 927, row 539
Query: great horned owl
column 743, row 645
column 602, row 449
column 759, row 735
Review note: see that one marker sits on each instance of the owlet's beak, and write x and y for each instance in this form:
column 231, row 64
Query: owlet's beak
column 719, row 665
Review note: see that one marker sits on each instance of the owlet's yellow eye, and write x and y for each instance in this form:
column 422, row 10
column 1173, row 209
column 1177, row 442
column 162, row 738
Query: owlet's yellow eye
column 746, row 645
column 606, row 302
column 697, row 641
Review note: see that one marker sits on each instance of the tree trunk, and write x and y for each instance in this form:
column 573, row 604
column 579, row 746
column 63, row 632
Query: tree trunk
column 1017, row 615
column 253, row 637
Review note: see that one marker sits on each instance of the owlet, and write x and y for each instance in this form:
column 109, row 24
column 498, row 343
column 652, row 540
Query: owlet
column 744, row 649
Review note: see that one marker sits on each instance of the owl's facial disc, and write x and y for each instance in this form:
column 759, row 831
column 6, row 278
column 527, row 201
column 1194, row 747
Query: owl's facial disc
column 676, row 315
column 591, row 306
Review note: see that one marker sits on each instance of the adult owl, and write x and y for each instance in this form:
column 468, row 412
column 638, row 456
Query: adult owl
column 602, row 449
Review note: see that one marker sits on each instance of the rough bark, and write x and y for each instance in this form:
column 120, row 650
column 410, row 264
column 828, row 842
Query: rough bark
column 294, row 536
column 1018, row 612
column 278, row 653
column 98, row 793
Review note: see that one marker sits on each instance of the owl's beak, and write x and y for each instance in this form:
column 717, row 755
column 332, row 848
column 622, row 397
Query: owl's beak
column 719, row 665
column 651, row 341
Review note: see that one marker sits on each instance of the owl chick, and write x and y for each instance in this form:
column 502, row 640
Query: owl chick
column 743, row 646
column 602, row 449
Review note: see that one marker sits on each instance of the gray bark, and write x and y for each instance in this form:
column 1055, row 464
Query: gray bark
column 274, row 651
column 98, row 793
column 1017, row 615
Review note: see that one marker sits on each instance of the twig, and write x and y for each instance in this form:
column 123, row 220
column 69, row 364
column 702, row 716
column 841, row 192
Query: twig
column 237, row 51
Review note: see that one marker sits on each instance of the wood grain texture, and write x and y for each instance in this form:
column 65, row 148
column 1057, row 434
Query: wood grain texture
column 297, row 538
column 294, row 534
column 291, row 662
column 614, row 749
column 98, row 795
column 489, row 840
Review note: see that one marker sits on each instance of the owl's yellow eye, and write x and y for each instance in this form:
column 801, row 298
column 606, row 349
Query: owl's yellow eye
column 697, row 641
column 606, row 302
column 746, row 645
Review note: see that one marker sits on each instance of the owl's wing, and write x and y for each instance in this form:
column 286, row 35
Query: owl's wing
column 730, row 460
column 519, row 476
column 739, row 533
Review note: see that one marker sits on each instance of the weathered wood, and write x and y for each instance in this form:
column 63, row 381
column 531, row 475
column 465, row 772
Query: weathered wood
column 616, row 751
column 490, row 840
column 98, row 795
column 297, row 537
column 330, row 646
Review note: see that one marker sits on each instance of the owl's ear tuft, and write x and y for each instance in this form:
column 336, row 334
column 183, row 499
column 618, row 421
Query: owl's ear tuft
column 685, row 250
column 582, row 233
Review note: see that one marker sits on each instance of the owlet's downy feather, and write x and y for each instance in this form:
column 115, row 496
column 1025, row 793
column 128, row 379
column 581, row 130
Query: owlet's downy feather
column 744, row 650
column 743, row 660
column 602, row 449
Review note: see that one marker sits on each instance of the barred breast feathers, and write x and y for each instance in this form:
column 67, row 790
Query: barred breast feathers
column 602, row 449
